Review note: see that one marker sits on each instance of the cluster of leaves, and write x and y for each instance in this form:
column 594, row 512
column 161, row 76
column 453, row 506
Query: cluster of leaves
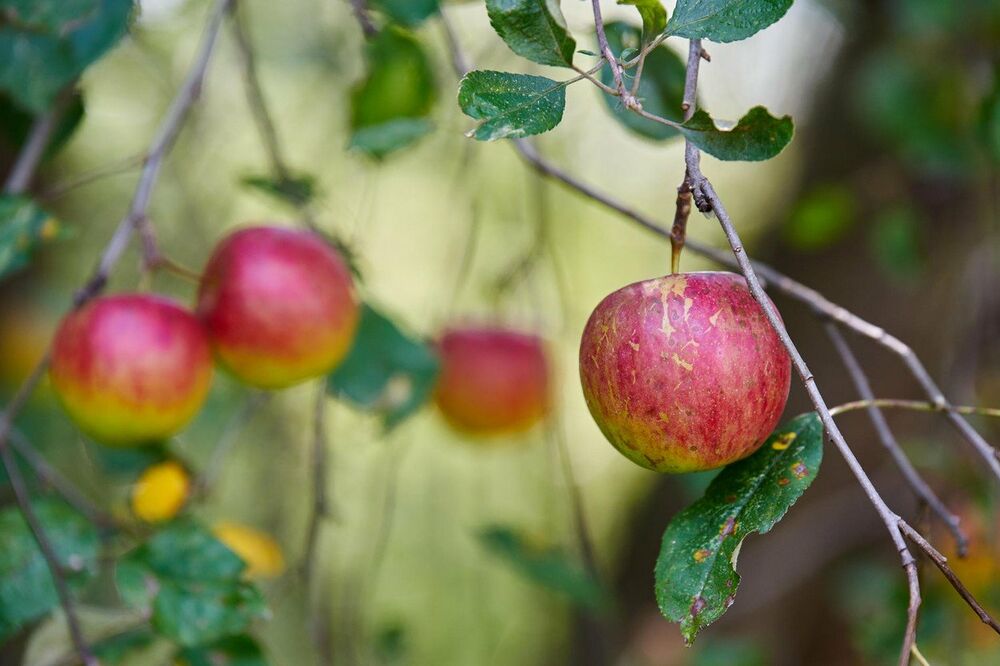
column 512, row 105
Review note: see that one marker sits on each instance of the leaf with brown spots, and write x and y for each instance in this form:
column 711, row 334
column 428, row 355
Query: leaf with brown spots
column 696, row 577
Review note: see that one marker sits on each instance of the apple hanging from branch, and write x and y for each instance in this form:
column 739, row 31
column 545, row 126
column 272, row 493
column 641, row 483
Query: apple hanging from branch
column 684, row 373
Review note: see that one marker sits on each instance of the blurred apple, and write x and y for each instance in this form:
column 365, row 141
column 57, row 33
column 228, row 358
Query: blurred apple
column 131, row 369
column 279, row 306
column 493, row 380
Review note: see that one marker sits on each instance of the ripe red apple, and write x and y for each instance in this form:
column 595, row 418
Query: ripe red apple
column 492, row 380
column 279, row 306
column 131, row 369
column 684, row 373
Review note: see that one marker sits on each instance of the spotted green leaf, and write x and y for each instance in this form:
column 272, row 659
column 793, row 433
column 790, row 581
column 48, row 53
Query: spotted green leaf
column 661, row 89
column 654, row 17
column 23, row 227
column 545, row 565
column 45, row 44
column 387, row 371
column 696, row 577
column 533, row 29
column 724, row 20
column 26, row 589
column 756, row 136
column 191, row 583
column 511, row 105
column 391, row 107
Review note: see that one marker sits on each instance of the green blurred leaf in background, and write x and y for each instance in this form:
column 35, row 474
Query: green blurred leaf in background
column 387, row 370
column 231, row 651
column 661, row 89
column 821, row 218
column 533, row 29
column 45, row 44
column 26, row 589
column 23, row 227
column 407, row 12
column 15, row 124
column 511, row 105
column 545, row 565
column 724, row 20
column 894, row 239
column 696, row 577
column 391, row 106
column 297, row 191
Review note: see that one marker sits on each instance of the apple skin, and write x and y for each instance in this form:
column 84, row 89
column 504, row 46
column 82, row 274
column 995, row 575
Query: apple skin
column 131, row 369
column 684, row 373
column 279, row 306
column 493, row 381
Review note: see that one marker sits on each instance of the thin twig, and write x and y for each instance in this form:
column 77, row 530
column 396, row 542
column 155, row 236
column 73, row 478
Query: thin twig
column 628, row 100
column 37, row 142
column 884, row 432
column 941, row 562
column 48, row 553
column 261, row 114
column 320, row 470
column 52, row 477
column 913, row 405
column 230, row 435
column 73, row 182
column 360, row 9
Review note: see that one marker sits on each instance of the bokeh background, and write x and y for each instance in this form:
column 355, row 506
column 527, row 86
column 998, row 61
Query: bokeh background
column 887, row 201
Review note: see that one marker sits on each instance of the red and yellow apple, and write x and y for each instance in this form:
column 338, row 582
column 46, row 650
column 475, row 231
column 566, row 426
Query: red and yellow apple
column 492, row 381
column 279, row 306
column 684, row 373
column 131, row 369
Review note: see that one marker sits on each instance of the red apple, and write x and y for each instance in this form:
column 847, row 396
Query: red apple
column 279, row 306
column 684, row 373
column 492, row 380
column 131, row 369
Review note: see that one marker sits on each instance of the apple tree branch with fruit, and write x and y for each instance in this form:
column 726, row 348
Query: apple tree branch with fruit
column 684, row 372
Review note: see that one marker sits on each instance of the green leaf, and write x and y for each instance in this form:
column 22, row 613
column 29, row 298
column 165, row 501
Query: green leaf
column 533, row 29
column 821, row 218
column 192, row 583
column 26, row 589
column 894, row 239
column 294, row 190
column 387, row 371
column 545, row 565
column 23, row 227
column 757, row 136
column 654, row 17
column 15, row 124
column 724, row 20
column 661, row 90
column 696, row 577
column 45, row 44
column 407, row 12
column 511, row 105
column 390, row 108
column 231, row 651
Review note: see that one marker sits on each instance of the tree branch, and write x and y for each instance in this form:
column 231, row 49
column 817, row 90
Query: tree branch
column 50, row 476
column 628, row 100
column 38, row 140
column 48, row 553
column 888, row 440
column 360, row 9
